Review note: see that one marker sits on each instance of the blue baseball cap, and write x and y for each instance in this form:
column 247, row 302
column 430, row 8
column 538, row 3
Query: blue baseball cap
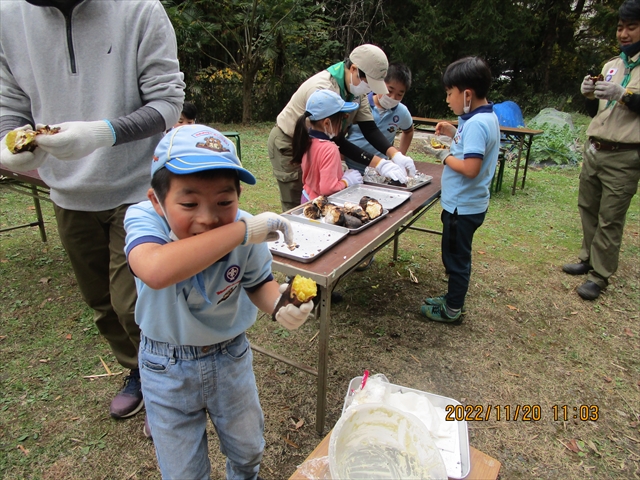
column 324, row 103
column 196, row 148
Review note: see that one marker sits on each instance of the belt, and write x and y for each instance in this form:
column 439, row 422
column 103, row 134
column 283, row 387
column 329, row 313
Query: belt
column 612, row 146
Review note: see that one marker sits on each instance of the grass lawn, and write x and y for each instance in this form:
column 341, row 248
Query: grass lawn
column 527, row 339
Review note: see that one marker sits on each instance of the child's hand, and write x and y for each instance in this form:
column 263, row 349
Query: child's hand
column 352, row 177
column 265, row 227
column 290, row 316
column 445, row 128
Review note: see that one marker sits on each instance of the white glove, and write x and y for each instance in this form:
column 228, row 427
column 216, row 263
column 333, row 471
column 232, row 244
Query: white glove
column 587, row 87
column 23, row 161
column 290, row 316
column 265, row 227
column 609, row 91
column 439, row 153
column 77, row 139
column 352, row 177
column 405, row 162
column 388, row 169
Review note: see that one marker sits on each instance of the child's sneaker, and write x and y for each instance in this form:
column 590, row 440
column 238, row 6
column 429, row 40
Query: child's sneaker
column 441, row 300
column 438, row 313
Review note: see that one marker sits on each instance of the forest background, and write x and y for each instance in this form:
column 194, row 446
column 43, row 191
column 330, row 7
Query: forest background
column 244, row 59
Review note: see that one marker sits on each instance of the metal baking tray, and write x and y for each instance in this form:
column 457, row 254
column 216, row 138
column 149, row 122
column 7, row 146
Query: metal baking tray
column 389, row 198
column 456, row 454
column 312, row 239
column 299, row 213
column 422, row 183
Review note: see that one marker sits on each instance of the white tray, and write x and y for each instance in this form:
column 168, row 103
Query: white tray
column 389, row 198
column 458, row 463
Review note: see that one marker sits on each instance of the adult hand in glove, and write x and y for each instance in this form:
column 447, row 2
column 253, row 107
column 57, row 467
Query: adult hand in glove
column 352, row 177
column 405, row 162
column 77, row 139
column 608, row 91
column 23, row 161
column 388, row 169
column 588, row 86
column 290, row 316
column 265, row 227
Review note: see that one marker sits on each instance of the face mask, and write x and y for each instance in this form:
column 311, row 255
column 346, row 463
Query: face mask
column 329, row 134
column 361, row 89
column 466, row 108
column 387, row 102
column 172, row 235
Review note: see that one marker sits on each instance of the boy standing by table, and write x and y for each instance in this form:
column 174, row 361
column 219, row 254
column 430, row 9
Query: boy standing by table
column 466, row 178
column 202, row 271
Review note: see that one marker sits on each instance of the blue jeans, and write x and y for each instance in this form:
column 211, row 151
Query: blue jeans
column 181, row 385
column 457, row 237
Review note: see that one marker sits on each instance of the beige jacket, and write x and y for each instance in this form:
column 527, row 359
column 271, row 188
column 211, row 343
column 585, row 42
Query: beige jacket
column 617, row 123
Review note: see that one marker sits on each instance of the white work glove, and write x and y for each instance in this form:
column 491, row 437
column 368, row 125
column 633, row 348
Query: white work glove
column 439, row 153
column 265, row 227
column 609, row 91
column 405, row 162
column 76, row 140
column 587, row 87
column 290, row 316
column 23, row 161
column 388, row 169
column 352, row 177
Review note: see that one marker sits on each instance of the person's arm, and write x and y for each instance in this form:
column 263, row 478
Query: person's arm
column 446, row 129
column 289, row 316
column 326, row 156
column 374, row 136
column 633, row 103
column 469, row 167
column 162, row 265
column 406, row 137
column 266, row 296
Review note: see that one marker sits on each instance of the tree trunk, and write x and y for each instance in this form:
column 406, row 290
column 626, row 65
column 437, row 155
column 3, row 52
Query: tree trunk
column 247, row 97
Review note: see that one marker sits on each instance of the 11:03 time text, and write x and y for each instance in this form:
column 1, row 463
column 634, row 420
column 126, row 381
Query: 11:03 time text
column 523, row 413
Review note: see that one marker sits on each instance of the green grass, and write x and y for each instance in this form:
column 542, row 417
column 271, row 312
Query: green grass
column 527, row 339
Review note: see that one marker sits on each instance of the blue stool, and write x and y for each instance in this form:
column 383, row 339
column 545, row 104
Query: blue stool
column 236, row 136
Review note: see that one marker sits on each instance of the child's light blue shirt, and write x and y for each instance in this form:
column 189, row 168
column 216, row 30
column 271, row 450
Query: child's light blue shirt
column 180, row 314
column 478, row 135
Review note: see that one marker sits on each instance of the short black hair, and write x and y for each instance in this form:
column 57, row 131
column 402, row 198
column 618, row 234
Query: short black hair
column 469, row 73
column 347, row 66
column 189, row 110
column 161, row 180
column 399, row 72
column 629, row 10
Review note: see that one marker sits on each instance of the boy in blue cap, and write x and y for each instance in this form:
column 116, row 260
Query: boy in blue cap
column 466, row 177
column 202, row 271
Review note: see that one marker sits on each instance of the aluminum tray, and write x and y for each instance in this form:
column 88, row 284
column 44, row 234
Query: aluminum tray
column 458, row 462
column 389, row 198
column 426, row 181
column 312, row 238
column 299, row 213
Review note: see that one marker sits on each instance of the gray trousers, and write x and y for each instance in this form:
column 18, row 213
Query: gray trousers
column 289, row 176
column 608, row 182
column 94, row 242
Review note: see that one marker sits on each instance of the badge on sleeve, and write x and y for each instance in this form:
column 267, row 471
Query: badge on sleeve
column 610, row 74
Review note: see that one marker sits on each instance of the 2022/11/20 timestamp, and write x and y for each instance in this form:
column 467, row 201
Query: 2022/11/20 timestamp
column 581, row 412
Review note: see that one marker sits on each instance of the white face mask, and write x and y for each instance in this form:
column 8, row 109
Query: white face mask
column 387, row 102
column 362, row 88
column 466, row 108
column 172, row 235
column 329, row 134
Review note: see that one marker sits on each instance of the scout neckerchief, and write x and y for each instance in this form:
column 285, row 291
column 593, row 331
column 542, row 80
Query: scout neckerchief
column 337, row 72
column 628, row 66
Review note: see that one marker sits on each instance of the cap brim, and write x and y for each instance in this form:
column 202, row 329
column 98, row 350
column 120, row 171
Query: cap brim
column 378, row 86
column 186, row 165
column 349, row 107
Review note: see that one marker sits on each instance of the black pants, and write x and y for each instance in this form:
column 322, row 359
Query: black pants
column 457, row 237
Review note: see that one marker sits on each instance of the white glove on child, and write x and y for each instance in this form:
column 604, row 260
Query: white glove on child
column 77, row 139
column 405, row 162
column 587, row 87
column 265, row 227
column 388, row 169
column 609, row 91
column 290, row 316
column 439, row 153
column 23, row 161
column 352, row 177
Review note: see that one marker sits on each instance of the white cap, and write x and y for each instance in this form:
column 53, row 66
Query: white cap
column 373, row 62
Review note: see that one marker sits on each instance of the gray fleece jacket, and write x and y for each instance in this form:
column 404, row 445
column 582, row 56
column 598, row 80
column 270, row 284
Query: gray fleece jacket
column 103, row 59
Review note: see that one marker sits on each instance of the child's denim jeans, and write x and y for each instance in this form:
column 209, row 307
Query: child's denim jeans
column 181, row 385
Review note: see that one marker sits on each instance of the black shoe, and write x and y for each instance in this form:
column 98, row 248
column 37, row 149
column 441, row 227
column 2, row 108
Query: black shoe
column 581, row 268
column 129, row 400
column 589, row 290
